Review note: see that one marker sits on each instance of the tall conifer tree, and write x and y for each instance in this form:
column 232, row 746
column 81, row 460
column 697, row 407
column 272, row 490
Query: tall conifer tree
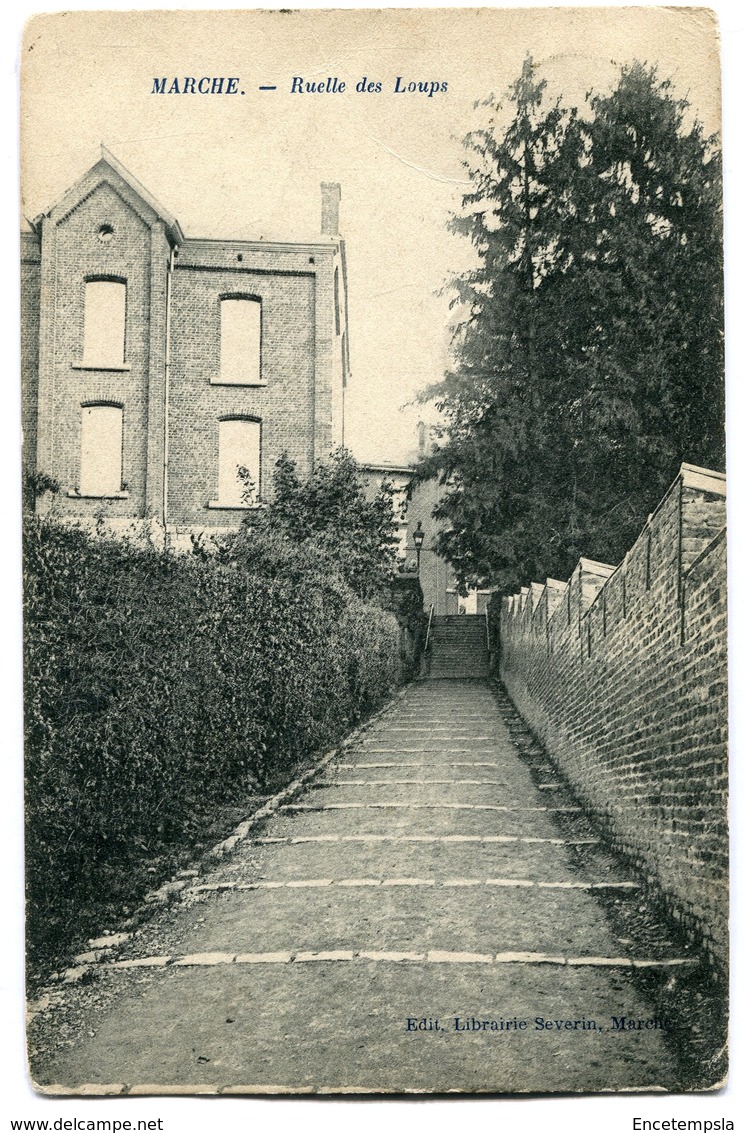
column 591, row 360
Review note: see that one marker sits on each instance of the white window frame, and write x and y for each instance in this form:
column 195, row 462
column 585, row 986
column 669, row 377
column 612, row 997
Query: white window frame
column 241, row 345
column 105, row 324
column 101, row 451
column 233, row 452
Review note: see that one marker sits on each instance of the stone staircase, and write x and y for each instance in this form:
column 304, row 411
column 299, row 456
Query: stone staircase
column 459, row 647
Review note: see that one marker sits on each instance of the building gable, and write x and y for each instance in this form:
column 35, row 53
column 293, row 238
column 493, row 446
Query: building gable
column 108, row 171
column 140, row 404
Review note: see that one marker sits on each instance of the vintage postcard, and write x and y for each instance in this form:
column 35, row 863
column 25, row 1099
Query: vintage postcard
column 374, row 552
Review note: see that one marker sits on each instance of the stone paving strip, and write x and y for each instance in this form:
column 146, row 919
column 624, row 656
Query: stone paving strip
column 348, row 955
column 420, row 782
column 299, row 839
column 93, row 1089
column 440, row 726
column 432, row 751
column 426, row 783
column 323, row 882
column 413, row 766
column 428, row 806
column 453, row 733
column 411, row 783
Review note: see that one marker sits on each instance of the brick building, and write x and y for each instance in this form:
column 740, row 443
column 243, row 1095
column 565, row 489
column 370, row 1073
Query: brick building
column 156, row 366
column 414, row 509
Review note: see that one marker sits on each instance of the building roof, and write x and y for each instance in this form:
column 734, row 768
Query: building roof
column 399, row 469
column 108, row 161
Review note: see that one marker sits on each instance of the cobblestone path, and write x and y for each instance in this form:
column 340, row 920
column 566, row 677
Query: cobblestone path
column 427, row 875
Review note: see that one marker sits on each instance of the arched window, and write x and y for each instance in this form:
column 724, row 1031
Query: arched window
column 101, row 450
column 105, row 321
column 240, row 340
column 239, row 464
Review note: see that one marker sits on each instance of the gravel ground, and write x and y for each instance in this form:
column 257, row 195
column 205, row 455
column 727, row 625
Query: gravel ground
column 448, row 889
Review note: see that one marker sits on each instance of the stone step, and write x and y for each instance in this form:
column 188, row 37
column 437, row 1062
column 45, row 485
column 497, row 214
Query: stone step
column 464, row 625
column 474, row 656
column 468, row 649
column 456, row 630
column 459, row 627
column 458, row 619
column 476, row 653
column 459, row 674
column 456, row 639
column 459, row 631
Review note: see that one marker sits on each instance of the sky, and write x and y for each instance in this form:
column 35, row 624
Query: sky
column 250, row 166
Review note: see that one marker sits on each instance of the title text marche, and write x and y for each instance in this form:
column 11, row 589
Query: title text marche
column 332, row 84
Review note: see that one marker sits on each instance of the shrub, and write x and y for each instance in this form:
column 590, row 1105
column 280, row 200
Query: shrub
column 159, row 687
column 330, row 514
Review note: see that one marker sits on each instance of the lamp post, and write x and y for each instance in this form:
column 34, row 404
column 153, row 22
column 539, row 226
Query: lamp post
column 418, row 540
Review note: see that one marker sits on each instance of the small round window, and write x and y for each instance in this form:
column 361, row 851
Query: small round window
column 105, row 233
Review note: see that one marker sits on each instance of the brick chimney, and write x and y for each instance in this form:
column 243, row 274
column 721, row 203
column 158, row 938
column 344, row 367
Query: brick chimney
column 330, row 197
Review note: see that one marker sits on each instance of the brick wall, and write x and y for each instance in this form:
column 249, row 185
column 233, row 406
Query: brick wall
column 287, row 404
column 30, row 287
column 107, row 226
column 621, row 673
column 436, row 575
column 72, row 253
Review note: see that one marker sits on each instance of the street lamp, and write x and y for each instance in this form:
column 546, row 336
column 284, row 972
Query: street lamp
column 418, row 540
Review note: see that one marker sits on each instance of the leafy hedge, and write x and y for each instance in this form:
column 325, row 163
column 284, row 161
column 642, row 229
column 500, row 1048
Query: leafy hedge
column 159, row 687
